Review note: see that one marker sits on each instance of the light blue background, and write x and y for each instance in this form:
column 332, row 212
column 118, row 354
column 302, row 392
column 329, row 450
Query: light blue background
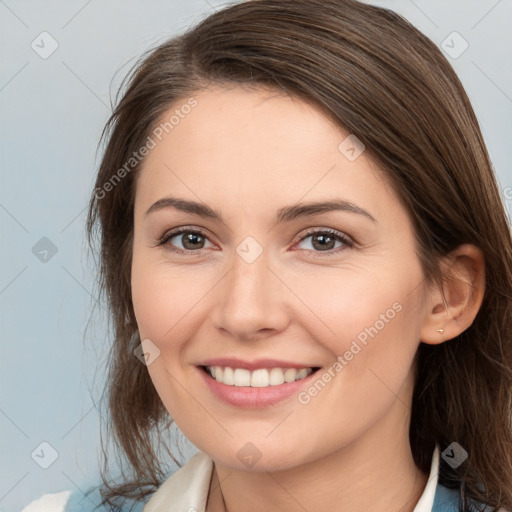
column 52, row 112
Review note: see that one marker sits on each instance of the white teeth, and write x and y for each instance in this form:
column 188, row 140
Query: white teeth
column 260, row 378
column 275, row 377
column 228, row 377
column 241, row 377
column 290, row 374
column 302, row 373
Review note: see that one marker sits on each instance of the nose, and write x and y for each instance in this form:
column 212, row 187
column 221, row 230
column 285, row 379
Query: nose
column 252, row 301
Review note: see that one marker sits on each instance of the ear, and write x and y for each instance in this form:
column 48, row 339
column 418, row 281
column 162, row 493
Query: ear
column 453, row 306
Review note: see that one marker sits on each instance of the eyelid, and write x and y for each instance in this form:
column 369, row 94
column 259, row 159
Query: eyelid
column 345, row 239
column 331, row 231
column 183, row 229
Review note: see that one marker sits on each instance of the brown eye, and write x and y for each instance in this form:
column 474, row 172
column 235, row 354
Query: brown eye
column 325, row 241
column 190, row 240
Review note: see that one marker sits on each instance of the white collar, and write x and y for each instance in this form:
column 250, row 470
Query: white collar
column 186, row 490
column 426, row 501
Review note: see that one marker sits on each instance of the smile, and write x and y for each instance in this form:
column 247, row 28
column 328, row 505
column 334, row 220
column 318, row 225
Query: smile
column 259, row 378
column 256, row 387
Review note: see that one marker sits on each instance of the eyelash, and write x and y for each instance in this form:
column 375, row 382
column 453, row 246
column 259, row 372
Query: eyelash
column 347, row 243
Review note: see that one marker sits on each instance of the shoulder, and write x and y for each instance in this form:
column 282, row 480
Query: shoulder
column 67, row 501
column 49, row 503
column 449, row 500
column 188, row 485
column 446, row 500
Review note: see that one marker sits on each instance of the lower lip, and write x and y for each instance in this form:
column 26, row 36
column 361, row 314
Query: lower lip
column 251, row 398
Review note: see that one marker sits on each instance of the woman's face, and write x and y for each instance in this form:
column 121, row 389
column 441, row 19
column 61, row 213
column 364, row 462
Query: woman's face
column 272, row 287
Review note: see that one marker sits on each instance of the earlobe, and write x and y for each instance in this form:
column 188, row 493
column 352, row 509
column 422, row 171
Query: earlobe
column 453, row 305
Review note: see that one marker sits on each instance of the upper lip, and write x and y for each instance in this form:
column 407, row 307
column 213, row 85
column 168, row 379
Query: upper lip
column 255, row 364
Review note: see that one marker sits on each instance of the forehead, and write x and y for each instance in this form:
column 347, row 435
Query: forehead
column 250, row 122
column 242, row 146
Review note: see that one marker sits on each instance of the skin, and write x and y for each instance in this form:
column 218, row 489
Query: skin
column 247, row 153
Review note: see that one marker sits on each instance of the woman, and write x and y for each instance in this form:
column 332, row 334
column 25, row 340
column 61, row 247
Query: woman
column 309, row 269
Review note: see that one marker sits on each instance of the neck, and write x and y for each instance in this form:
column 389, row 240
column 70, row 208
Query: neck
column 376, row 471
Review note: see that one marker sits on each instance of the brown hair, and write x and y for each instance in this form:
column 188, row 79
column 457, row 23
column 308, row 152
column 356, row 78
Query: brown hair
column 379, row 78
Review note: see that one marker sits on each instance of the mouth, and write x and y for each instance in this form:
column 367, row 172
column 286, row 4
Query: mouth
column 258, row 378
column 258, row 387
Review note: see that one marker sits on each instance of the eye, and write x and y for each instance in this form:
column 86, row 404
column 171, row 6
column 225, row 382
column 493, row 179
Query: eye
column 324, row 241
column 191, row 240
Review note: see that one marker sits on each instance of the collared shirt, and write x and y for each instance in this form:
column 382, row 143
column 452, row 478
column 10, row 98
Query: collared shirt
column 187, row 490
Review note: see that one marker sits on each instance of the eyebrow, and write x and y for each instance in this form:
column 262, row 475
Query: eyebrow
column 286, row 214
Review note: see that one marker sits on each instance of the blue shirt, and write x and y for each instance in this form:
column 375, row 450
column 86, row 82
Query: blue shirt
column 187, row 490
column 445, row 500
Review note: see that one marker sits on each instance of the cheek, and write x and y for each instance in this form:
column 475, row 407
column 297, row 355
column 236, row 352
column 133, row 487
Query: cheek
column 163, row 301
column 149, row 301
column 369, row 321
column 168, row 301
column 159, row 296
column 373, row 353
column 338, row 306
